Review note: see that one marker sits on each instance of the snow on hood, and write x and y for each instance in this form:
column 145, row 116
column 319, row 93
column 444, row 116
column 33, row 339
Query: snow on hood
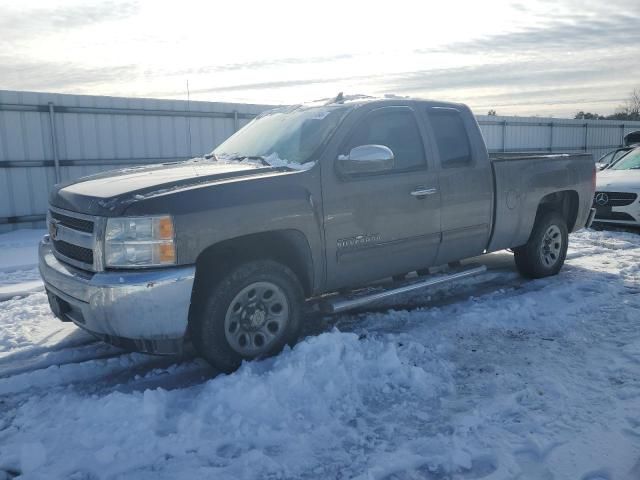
column 273, row 160
column 618, row 180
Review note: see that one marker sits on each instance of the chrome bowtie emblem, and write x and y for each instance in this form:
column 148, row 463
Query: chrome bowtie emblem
column 257, row 318
column 53, row 229
column 602, row 198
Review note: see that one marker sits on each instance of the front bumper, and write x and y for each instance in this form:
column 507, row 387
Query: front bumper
column 592, row 214
column 141, row 310
column 621, row 215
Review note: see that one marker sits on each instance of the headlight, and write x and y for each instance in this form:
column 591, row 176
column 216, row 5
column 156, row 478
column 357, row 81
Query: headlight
column 139, row 242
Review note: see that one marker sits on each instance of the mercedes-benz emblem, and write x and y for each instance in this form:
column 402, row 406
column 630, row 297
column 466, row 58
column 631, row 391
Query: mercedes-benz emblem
column 602, row 198
column 53, row 229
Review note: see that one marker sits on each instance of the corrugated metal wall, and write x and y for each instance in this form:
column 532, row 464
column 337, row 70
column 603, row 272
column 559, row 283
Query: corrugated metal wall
column 94, row 133
column 535, row 134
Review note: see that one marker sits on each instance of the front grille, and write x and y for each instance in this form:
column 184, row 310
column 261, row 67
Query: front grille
column 74, row 252
column 73, row 222
column 616, row 199
column 73, row 236
column 609, row 215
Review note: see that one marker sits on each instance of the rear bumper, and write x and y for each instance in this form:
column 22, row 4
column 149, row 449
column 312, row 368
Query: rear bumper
column 140, row 310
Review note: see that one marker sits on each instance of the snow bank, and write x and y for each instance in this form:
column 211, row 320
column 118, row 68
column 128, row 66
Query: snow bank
column 280, row 416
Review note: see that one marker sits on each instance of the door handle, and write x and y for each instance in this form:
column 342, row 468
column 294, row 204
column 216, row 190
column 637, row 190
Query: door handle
column 423, row 192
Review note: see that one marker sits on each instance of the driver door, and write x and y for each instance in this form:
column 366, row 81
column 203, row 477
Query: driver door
column 382, row 223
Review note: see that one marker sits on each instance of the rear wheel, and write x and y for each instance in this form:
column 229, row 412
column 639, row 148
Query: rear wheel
column 544, row 254
column 252, row 312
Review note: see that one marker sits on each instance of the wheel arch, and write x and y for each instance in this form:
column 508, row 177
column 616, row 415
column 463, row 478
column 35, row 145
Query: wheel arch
column 566, row 202
column 289, row 247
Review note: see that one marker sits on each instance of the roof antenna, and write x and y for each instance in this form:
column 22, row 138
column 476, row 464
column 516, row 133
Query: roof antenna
column 339, row 99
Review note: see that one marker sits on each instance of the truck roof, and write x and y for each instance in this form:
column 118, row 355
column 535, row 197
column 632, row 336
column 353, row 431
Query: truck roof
column 359, row 99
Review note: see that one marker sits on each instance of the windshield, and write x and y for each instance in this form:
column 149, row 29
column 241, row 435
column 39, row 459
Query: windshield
column 631, row 161
column 620, row 154
column 606, row 158
column 287, row 136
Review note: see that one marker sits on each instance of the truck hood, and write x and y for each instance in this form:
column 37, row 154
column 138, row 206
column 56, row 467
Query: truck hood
column 618, row 180
column 109, row 193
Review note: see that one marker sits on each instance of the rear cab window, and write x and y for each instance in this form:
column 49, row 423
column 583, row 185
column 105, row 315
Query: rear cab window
column 451, row 137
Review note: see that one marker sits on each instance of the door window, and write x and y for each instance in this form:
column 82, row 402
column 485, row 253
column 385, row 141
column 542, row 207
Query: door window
column 393, row 127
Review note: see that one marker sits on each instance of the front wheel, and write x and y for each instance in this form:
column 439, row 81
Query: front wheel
column 544, row 254
column 252, row 312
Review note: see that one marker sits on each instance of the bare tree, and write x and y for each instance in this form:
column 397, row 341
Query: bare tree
column 630, row 110
column 632, row 105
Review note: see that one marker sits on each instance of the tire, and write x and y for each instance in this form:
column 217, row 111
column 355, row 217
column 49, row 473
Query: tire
column 252, row 312
column 544, row 254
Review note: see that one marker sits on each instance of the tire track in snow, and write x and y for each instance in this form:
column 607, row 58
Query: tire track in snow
column 29, row 354
column 59, row 357
column 121, row 373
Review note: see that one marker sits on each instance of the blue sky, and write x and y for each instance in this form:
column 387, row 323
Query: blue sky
column 536, row 57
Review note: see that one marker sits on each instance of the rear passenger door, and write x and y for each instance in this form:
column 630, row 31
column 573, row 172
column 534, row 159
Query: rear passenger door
column 466, row 184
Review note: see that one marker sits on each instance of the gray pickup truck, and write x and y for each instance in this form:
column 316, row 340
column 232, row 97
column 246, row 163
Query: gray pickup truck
column 309, row 202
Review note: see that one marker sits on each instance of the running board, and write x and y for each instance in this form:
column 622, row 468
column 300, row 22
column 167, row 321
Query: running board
column 342, row 304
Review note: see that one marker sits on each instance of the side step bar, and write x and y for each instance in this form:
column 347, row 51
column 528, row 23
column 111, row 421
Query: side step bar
column 342, row 304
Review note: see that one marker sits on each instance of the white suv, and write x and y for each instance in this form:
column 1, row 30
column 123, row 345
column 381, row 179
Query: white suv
column 618, row 191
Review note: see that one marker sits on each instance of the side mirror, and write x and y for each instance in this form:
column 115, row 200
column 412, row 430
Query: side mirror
column 367, row 159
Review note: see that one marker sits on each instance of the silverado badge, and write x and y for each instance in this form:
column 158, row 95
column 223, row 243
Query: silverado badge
column 359, row 240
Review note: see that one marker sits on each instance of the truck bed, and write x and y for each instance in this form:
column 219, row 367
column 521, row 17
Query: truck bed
column 522, row 180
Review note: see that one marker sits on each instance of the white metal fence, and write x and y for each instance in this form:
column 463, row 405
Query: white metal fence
column 50, row 138
column 535, row 134
column 47, row 138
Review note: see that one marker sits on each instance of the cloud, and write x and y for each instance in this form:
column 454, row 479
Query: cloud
column 20, row 23
column 278, row 62
column 577, row 33
column 579, row 52
column 50, row 76
column 87, row 14
column 586, row 59
column 270, row 85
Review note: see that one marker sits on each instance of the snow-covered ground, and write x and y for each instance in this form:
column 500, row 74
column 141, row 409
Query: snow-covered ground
column 496, row 378
column 18, row 263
